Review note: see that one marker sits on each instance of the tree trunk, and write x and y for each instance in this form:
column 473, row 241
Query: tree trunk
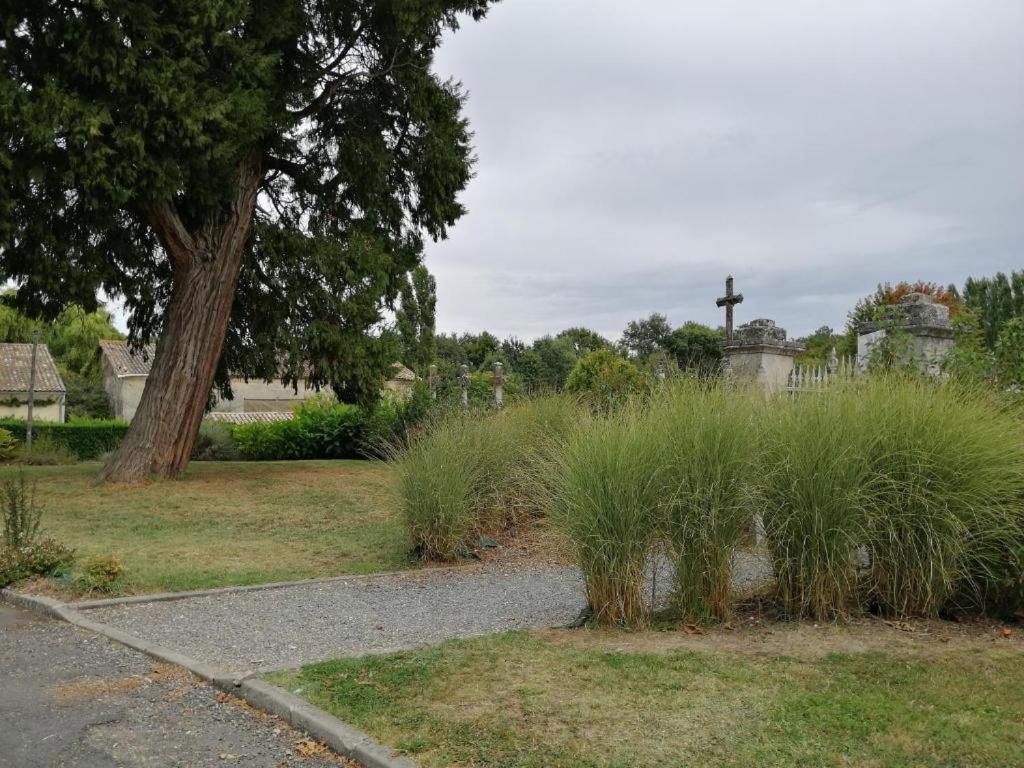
column 206, row 267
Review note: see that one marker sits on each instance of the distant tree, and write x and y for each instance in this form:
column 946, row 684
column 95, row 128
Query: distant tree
column 644, row 337
column 512, row 351
column 996, row 300
column 253, row 177
column 555, row 359
column 415, row 319
column 605, row 377
column 819, row 346
column 1009, row 354
column 583, row 340
column 695, row 347
column 480, row 349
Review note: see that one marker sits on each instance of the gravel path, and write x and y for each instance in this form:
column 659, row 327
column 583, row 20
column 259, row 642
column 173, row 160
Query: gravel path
column 284, row 628
column 71, row 698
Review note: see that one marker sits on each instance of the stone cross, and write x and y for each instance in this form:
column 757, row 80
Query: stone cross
column 729, row 301
column 464, row 384
column 499, row 384
column 433, row 380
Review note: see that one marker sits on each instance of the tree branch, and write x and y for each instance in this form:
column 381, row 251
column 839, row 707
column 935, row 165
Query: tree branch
column 177, row 241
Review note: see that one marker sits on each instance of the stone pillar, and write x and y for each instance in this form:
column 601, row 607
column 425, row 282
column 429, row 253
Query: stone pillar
column 433, row 380
column 464, row 385
column 927, row 324
column 760, row 352
column 499, row 384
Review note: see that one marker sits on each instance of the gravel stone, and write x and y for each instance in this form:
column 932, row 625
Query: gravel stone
column 285, row 628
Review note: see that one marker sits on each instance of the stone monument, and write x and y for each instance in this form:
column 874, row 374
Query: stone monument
column 759, row 351
column 927, row 325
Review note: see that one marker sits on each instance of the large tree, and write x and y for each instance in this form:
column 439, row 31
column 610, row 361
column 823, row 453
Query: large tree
column 253, row 177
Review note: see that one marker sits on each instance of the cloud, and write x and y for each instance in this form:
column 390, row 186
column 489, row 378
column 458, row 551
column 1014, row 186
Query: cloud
column 632, row 156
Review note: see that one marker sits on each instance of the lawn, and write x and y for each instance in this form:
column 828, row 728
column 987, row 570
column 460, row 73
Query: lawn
column 622, row 700
column 229, row 523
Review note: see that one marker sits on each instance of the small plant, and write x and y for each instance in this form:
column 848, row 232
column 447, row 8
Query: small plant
column 100, row 573
column 42, row 558
column 21, row 513
column 7, row 446
column 45, row 452
column 605, row 379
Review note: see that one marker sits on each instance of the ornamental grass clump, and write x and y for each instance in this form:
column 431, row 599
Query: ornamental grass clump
column 473, row 473
column 810, row 485
column 705, row 434
column 605, row 483
column 945, row 494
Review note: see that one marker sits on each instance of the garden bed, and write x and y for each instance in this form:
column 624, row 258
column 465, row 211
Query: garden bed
column 754, row 692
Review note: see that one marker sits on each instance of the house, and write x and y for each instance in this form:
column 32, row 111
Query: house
column 125, row 372
column 15, row 374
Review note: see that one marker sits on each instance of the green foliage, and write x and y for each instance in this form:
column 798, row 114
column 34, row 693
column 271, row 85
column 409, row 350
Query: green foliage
column 996, row 301
column 415, row 320
column 604, row 378
column 819, row 346
column 643, row 338
column 21, row 555
column 42, row 558
column 7, row 445
column 695, row 347
column 583, row 340
column 1009, row 353
column 100, row 573
column 45, row 452
column 84, row 438
column 21, row 513
column 215, row 442
column 127, row 123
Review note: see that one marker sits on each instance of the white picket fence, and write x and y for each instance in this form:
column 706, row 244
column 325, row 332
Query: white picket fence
column 818, row 377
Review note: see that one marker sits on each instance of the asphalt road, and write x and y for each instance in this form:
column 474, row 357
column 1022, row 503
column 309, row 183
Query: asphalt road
column 71, row 698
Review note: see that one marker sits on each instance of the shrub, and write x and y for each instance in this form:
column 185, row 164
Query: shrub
column 811, row 478
column 20, row 511
column 606, row 485
column 42, row 558
column 704, row 435
column 100, row 573
column 215, row 442
column 45, row 452
column 7, row 446
column 319, row 430
column 86, row 439
column 604, row 378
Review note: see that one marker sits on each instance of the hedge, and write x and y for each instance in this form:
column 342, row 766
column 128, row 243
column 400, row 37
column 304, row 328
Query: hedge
column 85, row 438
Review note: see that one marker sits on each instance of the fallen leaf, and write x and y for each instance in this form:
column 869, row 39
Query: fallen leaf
column 1007, row 632
column 693, row 629
column 310, row 748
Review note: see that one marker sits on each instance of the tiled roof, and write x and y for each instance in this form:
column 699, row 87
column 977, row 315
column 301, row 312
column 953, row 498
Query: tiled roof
column 401, row 373
column 15, row 366
column 126, row 362
column 254, row 417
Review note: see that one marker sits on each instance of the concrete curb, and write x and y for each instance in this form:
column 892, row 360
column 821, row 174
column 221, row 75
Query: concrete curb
column 160, row 597
column 340, row 736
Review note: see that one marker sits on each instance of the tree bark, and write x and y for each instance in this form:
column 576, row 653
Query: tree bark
column 206, row 266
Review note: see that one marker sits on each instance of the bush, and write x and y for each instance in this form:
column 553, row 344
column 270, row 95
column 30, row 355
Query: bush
column 703, row 433
column 42, row 558
column 7, row 446
column 86, row 439
column 215, row 442
column 45, row 452
column 604, row 378
column 21, row 513
column 100, row 573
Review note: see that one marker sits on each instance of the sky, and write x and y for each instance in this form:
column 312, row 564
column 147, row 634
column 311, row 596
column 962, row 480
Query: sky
column 631, row 155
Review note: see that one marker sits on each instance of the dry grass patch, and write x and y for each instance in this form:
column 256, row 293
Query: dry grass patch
column 230, row 523
column 612, row 700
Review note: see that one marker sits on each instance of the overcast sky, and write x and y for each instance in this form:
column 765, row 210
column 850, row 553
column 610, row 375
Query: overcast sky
column 633, row 154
